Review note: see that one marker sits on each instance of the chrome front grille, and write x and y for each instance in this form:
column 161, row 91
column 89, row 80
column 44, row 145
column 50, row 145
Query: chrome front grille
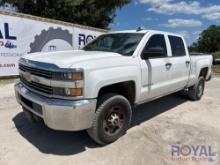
column 36, row 71
column 47, row 79
column 37, row 87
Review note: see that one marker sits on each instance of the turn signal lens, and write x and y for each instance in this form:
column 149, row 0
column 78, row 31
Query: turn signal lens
column 73, row 92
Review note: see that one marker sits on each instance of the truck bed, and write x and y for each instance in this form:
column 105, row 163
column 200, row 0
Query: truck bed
column 199, row 61
column 198, row 54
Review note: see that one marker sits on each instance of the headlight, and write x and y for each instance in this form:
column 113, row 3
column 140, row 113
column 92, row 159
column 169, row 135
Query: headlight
column 73, row 76
column 76, row 76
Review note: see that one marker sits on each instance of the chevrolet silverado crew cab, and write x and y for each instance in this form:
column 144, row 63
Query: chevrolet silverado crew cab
column 96, row 88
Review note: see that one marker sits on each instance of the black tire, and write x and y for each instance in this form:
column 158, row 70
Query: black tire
column 106, row 127
column 196, row 92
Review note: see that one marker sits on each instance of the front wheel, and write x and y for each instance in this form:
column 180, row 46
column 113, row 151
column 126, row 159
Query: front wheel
column 196, row 92
column 112, row 119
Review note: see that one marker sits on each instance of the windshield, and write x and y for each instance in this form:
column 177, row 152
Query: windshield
column 122, row 43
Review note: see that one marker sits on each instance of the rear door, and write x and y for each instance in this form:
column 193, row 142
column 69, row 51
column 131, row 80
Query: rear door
column 155, row 70
column 180, row 62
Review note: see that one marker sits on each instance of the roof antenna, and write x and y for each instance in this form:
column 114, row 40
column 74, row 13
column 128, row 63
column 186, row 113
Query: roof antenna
column 139, row 29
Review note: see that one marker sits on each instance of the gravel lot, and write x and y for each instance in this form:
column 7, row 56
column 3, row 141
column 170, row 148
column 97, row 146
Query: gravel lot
column 156, row 127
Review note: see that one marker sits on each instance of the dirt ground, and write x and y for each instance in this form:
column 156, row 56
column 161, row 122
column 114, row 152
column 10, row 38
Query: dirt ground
column 156, row 127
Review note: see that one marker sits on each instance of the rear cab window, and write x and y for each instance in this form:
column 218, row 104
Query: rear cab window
column 177, row 46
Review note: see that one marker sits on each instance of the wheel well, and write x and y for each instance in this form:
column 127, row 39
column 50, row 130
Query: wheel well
column 203, row 72
column 126, row 89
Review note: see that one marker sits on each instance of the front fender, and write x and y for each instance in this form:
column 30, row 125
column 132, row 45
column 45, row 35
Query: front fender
column 97, row 79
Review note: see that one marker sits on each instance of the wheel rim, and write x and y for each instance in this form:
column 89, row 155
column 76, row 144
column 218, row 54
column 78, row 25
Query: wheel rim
column 114, row 121
column 200, row 88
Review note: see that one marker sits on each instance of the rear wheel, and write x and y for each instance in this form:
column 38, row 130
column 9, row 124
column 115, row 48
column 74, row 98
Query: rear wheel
column 196, row 92
column 112, row 119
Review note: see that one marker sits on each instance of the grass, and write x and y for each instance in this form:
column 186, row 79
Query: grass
column 217, row 54
column 216, row 69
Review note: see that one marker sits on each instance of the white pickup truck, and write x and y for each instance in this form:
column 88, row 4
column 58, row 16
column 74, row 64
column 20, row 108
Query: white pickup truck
column 97, row 88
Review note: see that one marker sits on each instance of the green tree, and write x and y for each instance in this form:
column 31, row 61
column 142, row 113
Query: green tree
column 96, row 13
column 209, row 40
column 193, row 47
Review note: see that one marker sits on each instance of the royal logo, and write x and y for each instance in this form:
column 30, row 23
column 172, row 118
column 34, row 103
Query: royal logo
column 84, row 39
column 10, row 45
column 192, row 153
column 5, row 33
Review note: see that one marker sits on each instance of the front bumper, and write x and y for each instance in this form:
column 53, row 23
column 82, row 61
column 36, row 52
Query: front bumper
column 57, row 114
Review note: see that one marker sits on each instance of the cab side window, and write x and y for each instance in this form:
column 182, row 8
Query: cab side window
column 155, row 47
column 177, row 46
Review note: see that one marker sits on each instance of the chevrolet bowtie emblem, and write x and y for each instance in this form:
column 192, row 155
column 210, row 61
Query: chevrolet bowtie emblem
column 27, row 76
column 35, row 79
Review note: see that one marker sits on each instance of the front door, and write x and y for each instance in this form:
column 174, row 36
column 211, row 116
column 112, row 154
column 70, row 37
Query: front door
column 156, row 69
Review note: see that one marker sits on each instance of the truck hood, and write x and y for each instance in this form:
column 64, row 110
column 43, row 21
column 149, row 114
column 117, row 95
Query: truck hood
column 79, row 58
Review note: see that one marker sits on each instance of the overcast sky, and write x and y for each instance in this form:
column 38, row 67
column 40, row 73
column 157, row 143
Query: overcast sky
column 188, row 18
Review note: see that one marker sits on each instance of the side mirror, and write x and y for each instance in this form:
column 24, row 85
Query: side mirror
column 152, row 52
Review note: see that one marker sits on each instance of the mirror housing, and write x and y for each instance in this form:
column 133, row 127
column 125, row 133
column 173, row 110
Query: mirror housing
column 152, row 53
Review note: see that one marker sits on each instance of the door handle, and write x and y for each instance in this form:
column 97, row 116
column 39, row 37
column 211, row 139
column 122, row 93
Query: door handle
column 187, row 62
column 168, row 65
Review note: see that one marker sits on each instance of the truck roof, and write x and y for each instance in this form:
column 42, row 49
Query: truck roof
column 146, row 31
